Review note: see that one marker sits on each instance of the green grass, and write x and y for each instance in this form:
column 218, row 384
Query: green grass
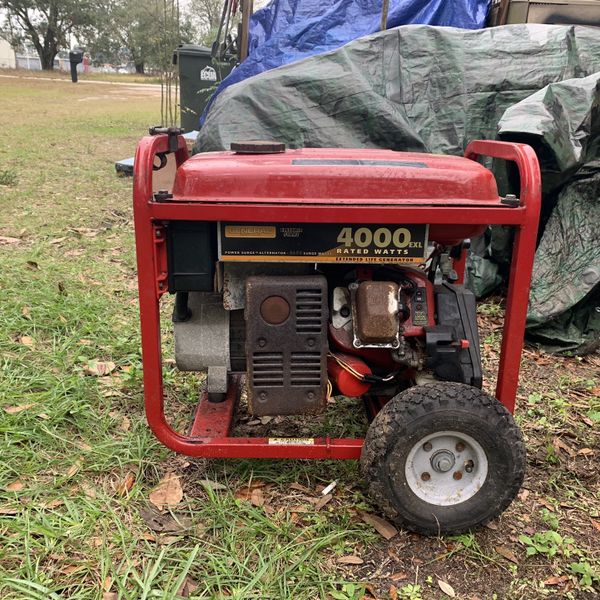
column 111, row 77
column 69, row 298
column 70, row 528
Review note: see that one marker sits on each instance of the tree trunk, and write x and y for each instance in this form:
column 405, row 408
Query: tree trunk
column 47, row 57
column 139, row 68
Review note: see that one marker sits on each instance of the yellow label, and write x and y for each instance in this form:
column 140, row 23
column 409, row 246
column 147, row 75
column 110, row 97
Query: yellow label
column 292, row 441
column 250, row 231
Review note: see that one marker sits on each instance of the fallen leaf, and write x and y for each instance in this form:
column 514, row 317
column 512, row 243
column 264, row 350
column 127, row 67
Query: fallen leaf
column 265, row 420
column 560, row 445
column 107, row 583
column 168, row 539
column 88, row 490
column 125, row 424
column 86, row 231
column 96, row 542
column 400, row 576
column 257, row 497
column 323, row 501
column 26, row 312
column 70, row 569
column 83, row 446
column 300, row 509
column 58, row 240
column 596, row 524
column 546, row 504
column 585, row 452
column 52, row 504
column 351, row 559
column 168, row 492
column 383, row 527
column 300, row 488
column 244, row 493
column 10, row 510
column 5, row 240
column 126, row 484
column 74, row 468
column 523, row 495
column 507, row 553
column 446, row 588
column 13, row 410
column 555, row 580
column 98, row 368
column 15, row 486
column 393, row 592
column 110, row 596
column 26, row 340
column 31, row 264
column 44, row 416
column 187, row 587
column 164, row 523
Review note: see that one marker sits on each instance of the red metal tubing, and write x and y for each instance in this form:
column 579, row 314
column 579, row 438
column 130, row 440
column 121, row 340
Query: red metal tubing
column 148, row 214
column 521, row 265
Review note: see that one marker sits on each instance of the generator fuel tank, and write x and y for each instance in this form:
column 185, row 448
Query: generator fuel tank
column 314, row 176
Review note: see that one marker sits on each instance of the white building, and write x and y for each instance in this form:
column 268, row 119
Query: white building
column 7, row 56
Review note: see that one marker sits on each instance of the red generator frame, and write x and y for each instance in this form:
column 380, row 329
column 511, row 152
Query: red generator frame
column 209, row 435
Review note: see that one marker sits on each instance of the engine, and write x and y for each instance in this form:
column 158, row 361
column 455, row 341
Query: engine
column 304, row 332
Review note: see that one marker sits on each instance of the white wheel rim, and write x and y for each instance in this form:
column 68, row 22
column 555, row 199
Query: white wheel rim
column 446, row 468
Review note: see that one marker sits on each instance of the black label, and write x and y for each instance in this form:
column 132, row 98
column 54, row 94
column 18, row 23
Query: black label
column 322, row 242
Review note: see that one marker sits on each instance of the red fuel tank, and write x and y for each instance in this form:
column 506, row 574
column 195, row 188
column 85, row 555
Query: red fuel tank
column 335, row 176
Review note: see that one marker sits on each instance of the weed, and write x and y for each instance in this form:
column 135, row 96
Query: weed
column 552, row 455
column 410, row 592
column 547, row 542
column 467, row 543
column 491, row 309
column 8, row 177
column 549, row 518
column 348, row 591
column 586, row 573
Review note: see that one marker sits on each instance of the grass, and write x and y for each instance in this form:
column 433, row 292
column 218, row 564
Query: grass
column 79, row 461
column 111, row 77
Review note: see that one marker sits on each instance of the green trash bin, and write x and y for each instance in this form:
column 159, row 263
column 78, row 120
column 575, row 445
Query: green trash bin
column 199, row 76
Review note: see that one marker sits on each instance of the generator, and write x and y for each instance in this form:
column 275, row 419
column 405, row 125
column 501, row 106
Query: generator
column 303, row 274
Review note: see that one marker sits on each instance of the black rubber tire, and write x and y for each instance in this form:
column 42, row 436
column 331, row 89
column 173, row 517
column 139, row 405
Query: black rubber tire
column 425, row 409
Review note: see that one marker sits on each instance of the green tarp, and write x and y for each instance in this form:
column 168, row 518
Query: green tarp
column 433, row 89
column 562, row 122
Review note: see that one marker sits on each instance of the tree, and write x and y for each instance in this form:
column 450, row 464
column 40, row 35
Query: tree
column 207, row 13
column 138, row 30
column 47, row 24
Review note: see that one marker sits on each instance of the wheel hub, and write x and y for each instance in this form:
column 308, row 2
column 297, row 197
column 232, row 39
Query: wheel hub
column 442, row 461
column 446, row 468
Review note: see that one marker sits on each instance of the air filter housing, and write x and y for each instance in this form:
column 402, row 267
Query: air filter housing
column 286, row 344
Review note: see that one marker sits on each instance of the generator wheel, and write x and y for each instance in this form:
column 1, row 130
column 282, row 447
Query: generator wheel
column 443, row 458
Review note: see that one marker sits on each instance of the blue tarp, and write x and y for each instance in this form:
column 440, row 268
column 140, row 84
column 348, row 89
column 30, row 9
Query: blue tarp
column 286, row 31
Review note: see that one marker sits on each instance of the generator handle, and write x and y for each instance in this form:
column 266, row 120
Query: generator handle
column 521, row 264
column 526, row 160
column 143, row 165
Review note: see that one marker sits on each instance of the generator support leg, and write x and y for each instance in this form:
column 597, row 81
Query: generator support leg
column 515, row 316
